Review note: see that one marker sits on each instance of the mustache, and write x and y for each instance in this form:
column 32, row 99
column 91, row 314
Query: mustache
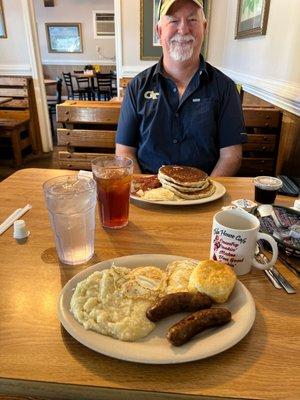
column 182, row 38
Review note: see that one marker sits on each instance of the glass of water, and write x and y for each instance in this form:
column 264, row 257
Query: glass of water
column 71, row 205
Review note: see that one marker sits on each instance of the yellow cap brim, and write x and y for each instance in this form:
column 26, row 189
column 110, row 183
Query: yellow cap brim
column 165, row 6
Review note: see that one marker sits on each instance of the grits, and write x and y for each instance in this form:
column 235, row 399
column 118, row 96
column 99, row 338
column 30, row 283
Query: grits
column 114, row 301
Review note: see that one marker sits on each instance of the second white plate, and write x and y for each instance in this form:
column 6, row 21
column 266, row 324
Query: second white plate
column 219, row 192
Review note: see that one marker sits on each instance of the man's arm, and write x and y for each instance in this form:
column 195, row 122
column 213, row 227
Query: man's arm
column 130, row 152
column 229, row 161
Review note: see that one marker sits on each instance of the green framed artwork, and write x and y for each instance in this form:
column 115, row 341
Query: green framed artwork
column 252, row 18
column 64, row 37
column 2, row 22
column 150, row 48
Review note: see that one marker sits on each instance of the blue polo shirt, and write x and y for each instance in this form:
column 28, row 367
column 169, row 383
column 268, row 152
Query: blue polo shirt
column 189, row 130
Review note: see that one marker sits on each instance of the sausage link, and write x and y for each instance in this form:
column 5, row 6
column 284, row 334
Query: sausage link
column 177, row 302
column 195, row 323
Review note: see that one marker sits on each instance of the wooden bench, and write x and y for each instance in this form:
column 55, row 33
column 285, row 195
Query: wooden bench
column 89, row 130
column 21, row 106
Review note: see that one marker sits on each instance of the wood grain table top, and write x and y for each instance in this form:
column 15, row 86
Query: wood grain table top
column 49, row 82
column 39, row 358
column 90, row 104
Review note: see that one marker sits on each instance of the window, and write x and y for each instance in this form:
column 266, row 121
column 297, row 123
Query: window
column 104, row 24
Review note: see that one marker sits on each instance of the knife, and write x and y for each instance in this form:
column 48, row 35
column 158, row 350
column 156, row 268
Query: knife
column 272, row 279
column 281, row 279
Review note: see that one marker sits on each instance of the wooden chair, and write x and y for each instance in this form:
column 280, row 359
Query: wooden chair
column 89, row 130
column 53, row 102
column 15, row 126
column 114, row 89
column 103, row 89
column 84, row 87
column 72, row 93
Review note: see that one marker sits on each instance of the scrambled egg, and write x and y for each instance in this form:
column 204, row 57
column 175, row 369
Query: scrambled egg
column 157, row 194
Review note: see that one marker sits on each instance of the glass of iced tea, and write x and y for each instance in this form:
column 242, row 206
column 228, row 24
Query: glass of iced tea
column 113, row 175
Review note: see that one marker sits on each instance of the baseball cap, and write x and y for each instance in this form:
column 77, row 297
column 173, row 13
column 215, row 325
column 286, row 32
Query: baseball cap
column 164, row 6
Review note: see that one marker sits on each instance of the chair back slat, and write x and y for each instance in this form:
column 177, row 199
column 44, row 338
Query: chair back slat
column 113, row 78
column 104, row 85
column 58, row 90
column 69, row 84
column 103, row 80
column 82, row 83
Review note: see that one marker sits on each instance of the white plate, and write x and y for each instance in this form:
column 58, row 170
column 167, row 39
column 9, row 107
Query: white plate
column 154, row 348
column 219, row 192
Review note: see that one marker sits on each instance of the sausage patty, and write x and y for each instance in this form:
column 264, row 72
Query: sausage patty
column 195, row 323
column 177, row 302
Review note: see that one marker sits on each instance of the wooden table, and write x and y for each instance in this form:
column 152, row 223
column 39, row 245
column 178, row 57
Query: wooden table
column 49, row 82
column 39, row 358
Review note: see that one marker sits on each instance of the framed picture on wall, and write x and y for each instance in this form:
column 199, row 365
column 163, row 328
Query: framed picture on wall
column 64, row 37
column 150, row 48
column 2, row 22
column 252, row 18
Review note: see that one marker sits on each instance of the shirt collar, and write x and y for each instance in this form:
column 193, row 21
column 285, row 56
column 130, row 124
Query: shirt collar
column 159, row 67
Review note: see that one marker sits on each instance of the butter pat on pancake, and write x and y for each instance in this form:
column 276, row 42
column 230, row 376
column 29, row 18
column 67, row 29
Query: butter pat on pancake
column 214, row 279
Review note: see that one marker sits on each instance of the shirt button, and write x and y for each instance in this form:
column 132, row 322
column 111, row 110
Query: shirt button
column 174, row 89
column 177, row 114
column 175, row 141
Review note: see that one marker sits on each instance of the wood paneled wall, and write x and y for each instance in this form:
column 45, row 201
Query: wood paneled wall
column 288, row 162
column 288, row 159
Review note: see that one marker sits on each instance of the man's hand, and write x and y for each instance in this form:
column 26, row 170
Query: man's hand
column 129, row 152
column 229, row 162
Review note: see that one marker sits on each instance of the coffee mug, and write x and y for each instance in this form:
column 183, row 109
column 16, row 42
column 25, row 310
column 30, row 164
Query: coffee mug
column 234, row 236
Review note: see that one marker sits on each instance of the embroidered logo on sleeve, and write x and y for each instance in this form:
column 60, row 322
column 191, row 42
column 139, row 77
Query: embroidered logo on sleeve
column 151, row 95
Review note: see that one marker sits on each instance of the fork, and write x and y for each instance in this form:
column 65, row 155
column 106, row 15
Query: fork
column 276, row 274
column 261, row 257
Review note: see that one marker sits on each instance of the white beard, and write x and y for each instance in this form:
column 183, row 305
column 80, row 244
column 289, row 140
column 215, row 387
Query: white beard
column 180, row 49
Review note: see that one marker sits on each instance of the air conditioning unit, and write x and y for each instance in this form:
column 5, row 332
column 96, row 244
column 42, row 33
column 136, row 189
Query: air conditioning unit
column 104, row 24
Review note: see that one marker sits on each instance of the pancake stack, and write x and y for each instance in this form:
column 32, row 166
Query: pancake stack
column 186, row 182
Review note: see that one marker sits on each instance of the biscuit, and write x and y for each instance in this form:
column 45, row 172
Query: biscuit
column 213, row 278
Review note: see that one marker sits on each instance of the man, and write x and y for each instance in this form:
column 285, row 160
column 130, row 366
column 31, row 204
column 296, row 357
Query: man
column 182, row 110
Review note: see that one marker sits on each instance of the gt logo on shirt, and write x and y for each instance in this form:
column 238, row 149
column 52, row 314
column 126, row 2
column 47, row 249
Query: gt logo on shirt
column 151, row 95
